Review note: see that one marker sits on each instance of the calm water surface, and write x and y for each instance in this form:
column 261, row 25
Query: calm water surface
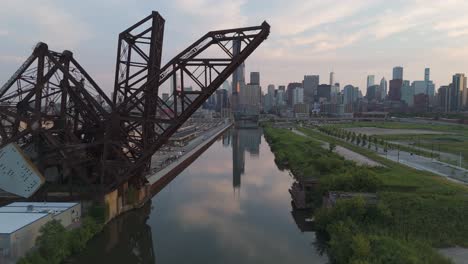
column 231, row 205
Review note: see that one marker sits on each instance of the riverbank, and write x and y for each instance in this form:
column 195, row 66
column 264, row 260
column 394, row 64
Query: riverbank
column 416, row 211
column 161, row 178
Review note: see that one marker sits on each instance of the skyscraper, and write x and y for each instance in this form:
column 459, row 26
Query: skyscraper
column 349, row 94
column 372, row 92
column 324, row 92
column 407, row 93
column 298, row 95
column 255, row 78
column 458, row 92
column 395, row 89
column 426, row 74
column 238, row 77
column 310, row 84
column 398, row 73
column 290, row 92
column 383, row 87
column 332, row 78
column 444, row 98
column 370, row 80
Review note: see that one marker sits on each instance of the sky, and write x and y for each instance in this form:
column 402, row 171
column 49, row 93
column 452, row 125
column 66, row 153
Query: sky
column 353, row 38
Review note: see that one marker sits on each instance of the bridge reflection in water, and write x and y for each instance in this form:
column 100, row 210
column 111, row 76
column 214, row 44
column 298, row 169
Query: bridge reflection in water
column 126, row 239
column 196, row 218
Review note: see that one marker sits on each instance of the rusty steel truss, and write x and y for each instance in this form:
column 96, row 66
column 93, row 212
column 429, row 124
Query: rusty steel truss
column 73, row 131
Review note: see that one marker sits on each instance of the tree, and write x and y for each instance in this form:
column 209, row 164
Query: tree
column 358, row 141
column 332, row 146
column 369, row 145
column 53, row 242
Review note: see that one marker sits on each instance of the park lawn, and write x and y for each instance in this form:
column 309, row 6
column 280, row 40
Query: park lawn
column 454, row 141
column 457, row 129
column 397, row 176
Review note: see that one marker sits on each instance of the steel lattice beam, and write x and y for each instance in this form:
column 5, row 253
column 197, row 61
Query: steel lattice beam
column 56, row 112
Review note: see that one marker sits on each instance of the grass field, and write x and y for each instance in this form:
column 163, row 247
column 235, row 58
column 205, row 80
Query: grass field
column 453, row 140
column 416, row 211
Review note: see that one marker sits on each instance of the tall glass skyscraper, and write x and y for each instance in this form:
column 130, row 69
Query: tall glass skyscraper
column 398, row 73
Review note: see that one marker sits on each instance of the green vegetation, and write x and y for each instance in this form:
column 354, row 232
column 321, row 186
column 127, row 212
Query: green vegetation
column 56, row 243
column 416, row 211
column 454, row 139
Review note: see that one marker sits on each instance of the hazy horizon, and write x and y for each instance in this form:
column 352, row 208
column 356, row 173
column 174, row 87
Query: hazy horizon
column 353, row 38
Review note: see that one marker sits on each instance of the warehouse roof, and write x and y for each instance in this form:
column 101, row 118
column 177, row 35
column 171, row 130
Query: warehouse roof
column 20, row 214
column 30, row 207
column 11, row 222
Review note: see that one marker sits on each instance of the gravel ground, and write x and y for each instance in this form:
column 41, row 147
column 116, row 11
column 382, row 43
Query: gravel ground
column 457, row 254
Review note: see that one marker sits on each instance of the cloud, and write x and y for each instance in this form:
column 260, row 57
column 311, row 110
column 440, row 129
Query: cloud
column 11, row 59
column 45, row 21
column 3, row 32
column 219, row 13
column 299, row 16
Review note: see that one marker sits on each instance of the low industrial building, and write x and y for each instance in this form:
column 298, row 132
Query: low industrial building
column 20, row 225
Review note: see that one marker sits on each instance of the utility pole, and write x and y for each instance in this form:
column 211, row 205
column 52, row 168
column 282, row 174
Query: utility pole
column 432, row 152
column 460, row 161
column 398, row 153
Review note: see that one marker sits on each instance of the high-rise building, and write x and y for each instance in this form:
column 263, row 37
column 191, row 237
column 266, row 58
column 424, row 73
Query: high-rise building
column 332, row 78
column 420, row 87
column 458, row 92
column 298, row 95
column 310, row 85
column 324, row 92
column 255, row 78
column 427, row 72
column 370, row 80
column 444, row 98
column 250, row 95
column 407, row 93
column 394, row 93
column 372, row 93
column 221, row 100
column 239, row 74
column 383, row 88
column 238, row 77
column 398, row 73
column 349, row 94
column 282, row 88
column 290, row 92
column 271, row 89
column 269, row 101
column 280, row 100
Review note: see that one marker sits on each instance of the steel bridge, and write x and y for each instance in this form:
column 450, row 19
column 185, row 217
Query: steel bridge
column 73, row 132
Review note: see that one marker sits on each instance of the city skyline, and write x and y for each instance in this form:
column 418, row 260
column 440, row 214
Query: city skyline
column 353, row 41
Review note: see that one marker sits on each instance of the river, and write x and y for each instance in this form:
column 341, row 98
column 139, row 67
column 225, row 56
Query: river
column 231, row 205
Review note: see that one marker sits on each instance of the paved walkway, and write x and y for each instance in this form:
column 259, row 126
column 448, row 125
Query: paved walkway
column 345, row 153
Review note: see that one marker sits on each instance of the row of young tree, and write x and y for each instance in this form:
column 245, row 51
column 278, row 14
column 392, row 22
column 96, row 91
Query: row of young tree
column 357, row 138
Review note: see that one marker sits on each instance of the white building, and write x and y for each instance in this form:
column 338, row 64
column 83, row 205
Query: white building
column 298, row 95
column 20, row 224
column 383, row 88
